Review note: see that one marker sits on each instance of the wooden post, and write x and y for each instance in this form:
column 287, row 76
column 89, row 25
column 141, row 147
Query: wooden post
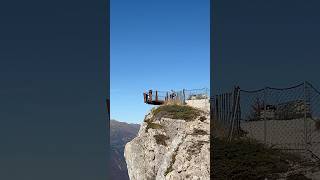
column 144, row 97
column 156, row 95
column 150, row 95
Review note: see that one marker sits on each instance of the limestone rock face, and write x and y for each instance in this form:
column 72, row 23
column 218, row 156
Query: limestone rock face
column 170, row 149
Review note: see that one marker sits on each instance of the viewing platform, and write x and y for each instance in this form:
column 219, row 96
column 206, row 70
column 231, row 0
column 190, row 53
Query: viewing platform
column 160, row 97
column 154, row 98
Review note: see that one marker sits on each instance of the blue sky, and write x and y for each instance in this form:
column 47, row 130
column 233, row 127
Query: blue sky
column 159, row 45
column 265, row 43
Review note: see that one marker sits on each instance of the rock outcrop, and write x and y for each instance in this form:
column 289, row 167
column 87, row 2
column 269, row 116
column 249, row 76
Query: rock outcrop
column 172, row 144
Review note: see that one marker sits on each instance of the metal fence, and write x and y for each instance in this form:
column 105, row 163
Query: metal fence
column 196, row 93
column 226, row 112
column 181, row 96
column 285, row 118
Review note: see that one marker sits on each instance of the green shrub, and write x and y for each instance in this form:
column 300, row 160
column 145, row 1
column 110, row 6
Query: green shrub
column 177, row 112
column 153, row 126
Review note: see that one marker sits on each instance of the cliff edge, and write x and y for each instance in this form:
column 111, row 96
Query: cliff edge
column 172, row 144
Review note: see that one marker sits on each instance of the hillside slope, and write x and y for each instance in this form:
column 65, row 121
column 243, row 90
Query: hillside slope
column 120, row 134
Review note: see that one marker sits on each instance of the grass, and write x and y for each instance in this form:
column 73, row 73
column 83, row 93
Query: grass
column 184, row 112
column 161, row 139
column 173, row 102
column 170, row 168
column 297, row 177
column 195, row 149
column 199, row 132
column 152, row 125
column 249, row 160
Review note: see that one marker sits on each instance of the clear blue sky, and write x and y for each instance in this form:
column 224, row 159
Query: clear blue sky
column 162, row 45
column 266, row 43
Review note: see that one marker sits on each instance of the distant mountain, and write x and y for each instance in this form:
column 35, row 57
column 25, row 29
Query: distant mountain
column 120, row 134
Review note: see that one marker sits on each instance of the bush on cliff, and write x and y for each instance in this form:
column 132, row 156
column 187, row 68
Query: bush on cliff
column 184, row 112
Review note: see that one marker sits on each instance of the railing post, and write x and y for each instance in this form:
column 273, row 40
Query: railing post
column 156, row 95
column 150, row 95
column 167, row 96
column 234, row 113
column 184, row 96
column 144, row 97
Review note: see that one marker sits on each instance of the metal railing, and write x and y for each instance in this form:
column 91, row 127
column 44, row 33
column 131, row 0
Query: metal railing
column 284, row 118
column 160, row 97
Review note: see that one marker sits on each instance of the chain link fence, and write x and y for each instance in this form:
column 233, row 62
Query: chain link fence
column 197, row 98
column 275, row 116
column 196, row 94
column 284, row 118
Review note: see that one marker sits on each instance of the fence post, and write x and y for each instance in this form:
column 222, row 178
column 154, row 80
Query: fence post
column 235, row 108
column 167, row 96
column 150, row 95
column 184, row 96
column 265, row 115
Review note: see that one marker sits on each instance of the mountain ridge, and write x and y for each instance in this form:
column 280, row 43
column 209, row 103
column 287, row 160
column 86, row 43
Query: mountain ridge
column 120, row 134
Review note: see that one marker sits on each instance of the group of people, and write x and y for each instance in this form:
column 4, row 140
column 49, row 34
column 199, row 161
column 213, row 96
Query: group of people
column 172, row 95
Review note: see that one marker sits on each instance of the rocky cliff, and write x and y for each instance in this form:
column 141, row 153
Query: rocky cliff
column 172, row 144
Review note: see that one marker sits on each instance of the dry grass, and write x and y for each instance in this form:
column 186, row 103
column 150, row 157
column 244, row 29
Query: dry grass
column 152, row 125
column 249, row 160
column 219, row 130
column 173, row 102
column 184, row 112
column 173, row 160
column 196, row 148
column 199, row 132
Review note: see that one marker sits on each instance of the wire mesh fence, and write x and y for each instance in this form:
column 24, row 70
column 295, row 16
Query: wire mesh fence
column 181, row 96
column 196, row 93
column 313, row 129
column 275, row 116
column 284, row 118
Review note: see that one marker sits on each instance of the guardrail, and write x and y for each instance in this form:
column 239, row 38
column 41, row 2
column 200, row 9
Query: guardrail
column 160, row 97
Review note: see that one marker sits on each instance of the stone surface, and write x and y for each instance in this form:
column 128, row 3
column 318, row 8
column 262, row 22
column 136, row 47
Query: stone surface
column 183, row 153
